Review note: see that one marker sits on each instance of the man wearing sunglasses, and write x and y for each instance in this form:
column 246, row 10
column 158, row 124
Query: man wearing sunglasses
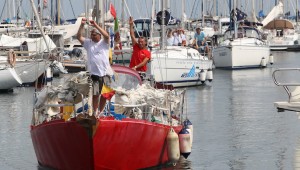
column 97, row 59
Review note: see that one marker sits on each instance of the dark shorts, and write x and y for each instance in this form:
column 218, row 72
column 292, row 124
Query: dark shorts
column 199, row 43
column 97, row 84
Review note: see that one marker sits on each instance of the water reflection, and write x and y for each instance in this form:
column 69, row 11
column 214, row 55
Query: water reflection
column 236, row 125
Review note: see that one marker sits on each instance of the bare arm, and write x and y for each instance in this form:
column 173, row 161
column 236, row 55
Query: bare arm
column 144, row 62
column 102, row 31
column 79, row 33
column 132, row 31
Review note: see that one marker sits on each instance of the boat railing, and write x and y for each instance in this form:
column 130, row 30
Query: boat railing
column 149, row 113
column 130, row 105
column 292, row 94
column 70, row 107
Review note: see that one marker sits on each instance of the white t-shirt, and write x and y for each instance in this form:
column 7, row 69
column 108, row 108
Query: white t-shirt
column 177, row 40
column 182, row 36
column 97, row 57
column 170, row 41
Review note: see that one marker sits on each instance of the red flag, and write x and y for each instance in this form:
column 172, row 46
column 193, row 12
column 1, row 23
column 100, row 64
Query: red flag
column 107, row 92
column 112, row 10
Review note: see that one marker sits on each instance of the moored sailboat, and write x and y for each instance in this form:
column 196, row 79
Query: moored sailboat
column 242, row 47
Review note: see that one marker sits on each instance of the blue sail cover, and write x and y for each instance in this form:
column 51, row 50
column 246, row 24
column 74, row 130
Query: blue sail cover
column 240, row 15
column 261, row 14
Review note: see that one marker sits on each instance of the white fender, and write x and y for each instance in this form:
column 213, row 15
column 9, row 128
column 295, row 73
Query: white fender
column 271, row 59
column 189, row 126
column 202, row 76
column 263, row 62
column 173, row 146
column 209, row 75
column 185, row 143
column 49, row 74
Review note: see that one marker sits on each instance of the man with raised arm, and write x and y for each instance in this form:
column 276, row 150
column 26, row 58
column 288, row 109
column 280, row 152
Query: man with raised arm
column 97, row 59
column 140, row 55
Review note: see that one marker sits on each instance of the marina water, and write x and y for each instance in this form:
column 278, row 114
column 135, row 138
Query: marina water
column 236, row 125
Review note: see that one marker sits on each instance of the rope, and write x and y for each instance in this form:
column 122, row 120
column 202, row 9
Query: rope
column 3, row 9
column 131, row 15
column 72, row 8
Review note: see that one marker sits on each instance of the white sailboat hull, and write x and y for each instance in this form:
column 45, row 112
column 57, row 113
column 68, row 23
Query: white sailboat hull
column 9, row 79
column 176, row 67
column 30, row 71
column 240, row 56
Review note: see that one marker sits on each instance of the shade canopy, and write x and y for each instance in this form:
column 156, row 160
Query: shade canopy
column 280, row 24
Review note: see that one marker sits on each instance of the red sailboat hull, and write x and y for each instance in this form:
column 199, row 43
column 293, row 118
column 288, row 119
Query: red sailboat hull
column 116, row 144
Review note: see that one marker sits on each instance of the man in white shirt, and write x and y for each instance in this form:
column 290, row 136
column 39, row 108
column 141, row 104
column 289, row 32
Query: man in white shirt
column 97, row 59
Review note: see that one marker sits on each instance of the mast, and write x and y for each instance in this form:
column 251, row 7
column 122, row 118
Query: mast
column 234, row 19
column 297, row 12
column 152, row 20
column 14, row 9
column 163, row 26
column 97, row 4
column 51, row 11
column 102, row 13
column 203, row 14
column 58, row 11
column 86, row 16
column 253, row 11
column 183, row 15
column 122, row 13
column 39, row 23
column 215, row 8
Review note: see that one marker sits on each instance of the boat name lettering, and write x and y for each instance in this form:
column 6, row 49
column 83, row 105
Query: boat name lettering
column 185, row 75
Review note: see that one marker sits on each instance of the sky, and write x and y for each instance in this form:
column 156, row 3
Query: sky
column 142, row 8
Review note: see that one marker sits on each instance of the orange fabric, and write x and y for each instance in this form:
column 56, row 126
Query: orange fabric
column 138, row 56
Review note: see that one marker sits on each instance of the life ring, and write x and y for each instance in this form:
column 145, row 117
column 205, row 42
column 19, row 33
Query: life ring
column 11, row 57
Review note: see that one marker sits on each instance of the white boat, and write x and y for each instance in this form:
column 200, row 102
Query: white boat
column 30, row 70
column 285, row 77
column 281, row 34
column 9, row 78
column 179, row 66
column 245, row 51
column 34, row 45
column 207, row 24
column 25, row 71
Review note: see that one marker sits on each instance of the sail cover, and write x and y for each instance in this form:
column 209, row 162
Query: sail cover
column 275, row 13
